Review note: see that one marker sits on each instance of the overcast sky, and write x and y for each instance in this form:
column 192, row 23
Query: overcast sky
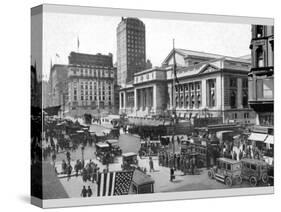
column 97, row 34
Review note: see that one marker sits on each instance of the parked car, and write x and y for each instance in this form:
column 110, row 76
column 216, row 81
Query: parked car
column 254, row 170
column 130, row 161
column 227, row 171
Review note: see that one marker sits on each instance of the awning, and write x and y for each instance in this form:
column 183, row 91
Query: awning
column 257, row 137
column 269, row 139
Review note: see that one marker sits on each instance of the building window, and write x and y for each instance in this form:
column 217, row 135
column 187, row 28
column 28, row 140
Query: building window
column 177, row 101
column 245, row 99
column 260, row 57
column 198, row 94
column 192, row 101
column 176, row 88
column 266, row 119
column 181, row 88
column 198, row 100
column 181, row 102
column 233, row 99
column 259, row 31
column 245, row 93
column 265, row 88
column 187, row 101
column 211, row 92
column 233, row 82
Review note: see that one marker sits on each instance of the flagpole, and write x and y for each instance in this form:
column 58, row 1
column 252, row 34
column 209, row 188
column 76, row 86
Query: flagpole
column 78, row 44
column 173, row 85
column 174, row 88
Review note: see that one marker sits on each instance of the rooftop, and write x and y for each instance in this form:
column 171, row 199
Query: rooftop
column 254, row 161
column 140, row 178
column 191, row 53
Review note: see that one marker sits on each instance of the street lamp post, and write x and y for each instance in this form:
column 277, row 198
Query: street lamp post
column 82, row 151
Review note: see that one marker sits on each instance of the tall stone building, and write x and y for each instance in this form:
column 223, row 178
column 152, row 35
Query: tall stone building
column 58, row 85
column 209, row 85
column 261, row 76
column 91, row 83
column 131, row 56
column 261, row 87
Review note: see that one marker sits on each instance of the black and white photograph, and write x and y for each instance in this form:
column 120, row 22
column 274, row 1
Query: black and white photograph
column 131, row 105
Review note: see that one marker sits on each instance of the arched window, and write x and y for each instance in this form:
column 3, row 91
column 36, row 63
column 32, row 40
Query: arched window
column 260, row 57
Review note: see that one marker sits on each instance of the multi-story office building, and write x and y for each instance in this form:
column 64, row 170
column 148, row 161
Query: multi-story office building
column 130, row 49
column 91, row 83
column 58, row 85
column 261, row 85
column 261, row 76
column 209, row 85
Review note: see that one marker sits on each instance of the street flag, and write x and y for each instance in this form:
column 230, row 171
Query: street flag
column 114, row 183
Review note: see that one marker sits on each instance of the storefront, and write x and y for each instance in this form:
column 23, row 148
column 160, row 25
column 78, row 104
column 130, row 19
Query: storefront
column 263, row 139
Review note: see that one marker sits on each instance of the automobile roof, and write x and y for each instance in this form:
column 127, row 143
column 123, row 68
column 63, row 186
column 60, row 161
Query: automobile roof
column 254, row 161
column 227, row 160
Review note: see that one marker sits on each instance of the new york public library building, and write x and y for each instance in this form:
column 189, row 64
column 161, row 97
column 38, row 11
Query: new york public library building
column 208, row 85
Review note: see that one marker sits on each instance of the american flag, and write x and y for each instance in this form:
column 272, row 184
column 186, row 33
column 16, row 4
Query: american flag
column 114, row 183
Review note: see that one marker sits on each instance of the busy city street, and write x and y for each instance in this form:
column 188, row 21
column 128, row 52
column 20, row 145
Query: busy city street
column 198, row 119
column 153, row 166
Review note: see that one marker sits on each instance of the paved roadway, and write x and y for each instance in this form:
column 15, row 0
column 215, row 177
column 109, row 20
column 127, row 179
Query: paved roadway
column 130, row 143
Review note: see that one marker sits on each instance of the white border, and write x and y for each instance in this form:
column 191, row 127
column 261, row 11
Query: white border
column 138, row 198
column 85, row 10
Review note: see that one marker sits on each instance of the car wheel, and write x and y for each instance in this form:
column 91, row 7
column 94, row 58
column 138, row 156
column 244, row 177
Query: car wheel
column 264, row 178
column 253, row 181
column 228, row 181
column 239, row 180
column 210, row 174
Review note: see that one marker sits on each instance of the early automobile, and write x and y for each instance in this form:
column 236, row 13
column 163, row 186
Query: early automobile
column 254, row 170
column 114, row 147
column 227, row 171
column 103, row 153
column 130, row 161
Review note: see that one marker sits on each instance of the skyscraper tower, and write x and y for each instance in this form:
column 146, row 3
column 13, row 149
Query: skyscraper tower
column 130, row 49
